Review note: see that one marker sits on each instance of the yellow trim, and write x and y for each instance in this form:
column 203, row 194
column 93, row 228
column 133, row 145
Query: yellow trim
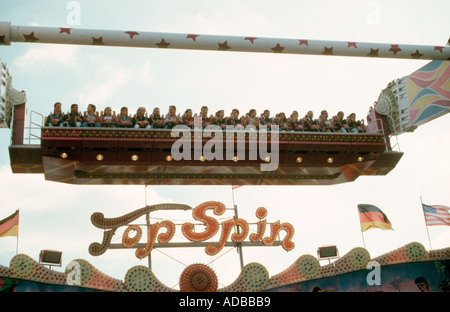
column 375, row 224
column 13, row 231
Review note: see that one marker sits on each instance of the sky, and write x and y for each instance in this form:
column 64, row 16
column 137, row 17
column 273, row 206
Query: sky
column 57, row 216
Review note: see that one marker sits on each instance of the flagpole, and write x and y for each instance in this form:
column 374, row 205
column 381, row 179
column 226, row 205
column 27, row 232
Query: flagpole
column 239, row 247
column 362, row 233
column 364, row 242
column 426, row 226
column 17, row 238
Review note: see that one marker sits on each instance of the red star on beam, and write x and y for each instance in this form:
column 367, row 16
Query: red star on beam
column 351, row 44
column 97, row 41
column 277, row 48
column 132, row 34
column 192, row 36
column 416, row 54
column 224, row 46
column 327, row 51
column 163, row 44
column 395, row 48
column 251, row 39
column 2, row 40
column 65, row 30
column 305, row 42
column 30, row 37
column 438, row 48
column 373, row 52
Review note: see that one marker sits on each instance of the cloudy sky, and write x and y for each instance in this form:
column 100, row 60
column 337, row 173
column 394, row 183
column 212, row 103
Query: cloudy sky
column 57, row 216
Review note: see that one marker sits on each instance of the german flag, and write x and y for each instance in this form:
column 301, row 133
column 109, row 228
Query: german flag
column 10, row 225
column 372, row 217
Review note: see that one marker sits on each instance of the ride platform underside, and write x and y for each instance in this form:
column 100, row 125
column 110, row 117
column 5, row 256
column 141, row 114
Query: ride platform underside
column 118, row 156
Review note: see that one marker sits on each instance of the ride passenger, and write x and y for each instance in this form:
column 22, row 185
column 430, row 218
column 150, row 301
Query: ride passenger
column 91, row 117
column 339, row 122
column 309, row 123
column 220, row 120
column 172, row 119
column 124, row 120
column 140, row 120
column 266, row 120
column 362, row 126
column 282, row 122
column 352, row 123
column 56, row 118
column 74, row 118
column 188, row 119
column 156, row 120
column 206, row 120
column 108, row 118
column 325, row 124
column 293, row 121
column 252, row 119
column 234, row 119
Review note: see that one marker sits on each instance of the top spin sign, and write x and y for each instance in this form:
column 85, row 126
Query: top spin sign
column 211, row 228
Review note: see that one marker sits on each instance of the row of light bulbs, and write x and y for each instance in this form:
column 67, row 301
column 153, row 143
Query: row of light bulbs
column 135, row 157
column 330, row 160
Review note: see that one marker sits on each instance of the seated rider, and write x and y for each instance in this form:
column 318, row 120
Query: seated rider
column 339, row 123
column 156, row 120
column 352, row 124
column 172, row 119
column 252, row 119
column 74, row 118
column 235, row 120
column 206, row 120
column 91, row 118
column 325, row 124
column 293, row 121
column 56, row 118
column 108, row 118
column 140, row 120
column 124, row 120
column 266, row 120
column 282, row 122
column 220, row 120
column 188, row 119
column 309, row 123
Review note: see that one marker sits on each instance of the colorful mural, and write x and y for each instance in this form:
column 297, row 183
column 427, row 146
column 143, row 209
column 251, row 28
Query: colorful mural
column 429, row 92
column 407, row 277
column 410, row 268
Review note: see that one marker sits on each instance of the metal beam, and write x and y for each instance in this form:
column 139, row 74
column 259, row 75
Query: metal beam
column 161, row 40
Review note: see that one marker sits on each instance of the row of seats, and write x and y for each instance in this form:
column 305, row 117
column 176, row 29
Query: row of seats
column 108, row 118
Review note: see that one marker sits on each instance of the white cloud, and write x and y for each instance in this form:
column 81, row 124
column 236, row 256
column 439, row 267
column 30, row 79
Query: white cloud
column 44, row 58
column 100, row 92
column 229, row 24
column 114, row 81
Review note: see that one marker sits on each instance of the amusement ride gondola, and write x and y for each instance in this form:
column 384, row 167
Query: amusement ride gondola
column 143, row 157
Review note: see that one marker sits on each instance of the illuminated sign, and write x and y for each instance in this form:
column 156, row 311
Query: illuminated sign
column 168, row 229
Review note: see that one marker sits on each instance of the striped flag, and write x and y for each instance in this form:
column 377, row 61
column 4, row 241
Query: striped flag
column 372, row 217
column 10, row 225
column 436, row 215
column 236, row 187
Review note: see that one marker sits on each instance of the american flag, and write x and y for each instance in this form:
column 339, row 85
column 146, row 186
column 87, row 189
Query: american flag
column 236, row 187
column 436, row 215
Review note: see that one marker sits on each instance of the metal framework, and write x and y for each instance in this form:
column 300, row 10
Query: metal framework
column 161, row 40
